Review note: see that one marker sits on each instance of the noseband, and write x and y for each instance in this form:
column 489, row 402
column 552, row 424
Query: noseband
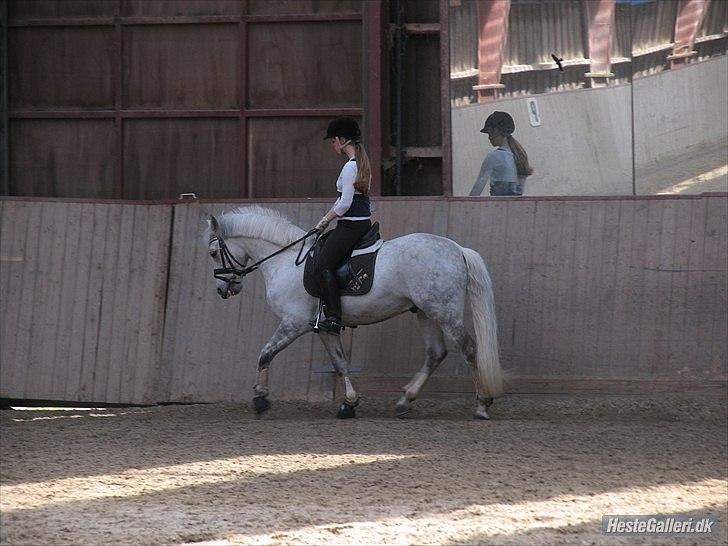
column 227, row 259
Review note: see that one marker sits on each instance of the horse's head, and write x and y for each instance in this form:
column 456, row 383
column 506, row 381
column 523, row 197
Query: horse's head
column 226, row 256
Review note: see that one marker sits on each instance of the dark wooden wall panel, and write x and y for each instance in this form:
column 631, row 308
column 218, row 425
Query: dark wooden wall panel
column 181, row 66
column 419, row 11
column 162, row 8
column 155, row 168
column 287, row 7
column 422, row 116
column 130, row 62
column 305, row 65
column 63, row 158
column 301, row 165
column 38, row 9
column 60, row 67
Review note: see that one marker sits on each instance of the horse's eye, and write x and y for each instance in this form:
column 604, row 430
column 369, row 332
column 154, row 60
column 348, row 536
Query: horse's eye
column 213, row 253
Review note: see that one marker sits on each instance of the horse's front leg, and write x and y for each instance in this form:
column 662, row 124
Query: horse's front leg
column 286, row 333
column 341, row 365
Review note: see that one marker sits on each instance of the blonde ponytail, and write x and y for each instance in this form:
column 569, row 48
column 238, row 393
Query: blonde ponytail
column 363, row 169
column 521, row 157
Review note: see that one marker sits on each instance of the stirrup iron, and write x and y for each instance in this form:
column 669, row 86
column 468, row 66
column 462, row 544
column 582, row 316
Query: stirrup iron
column 315, row 323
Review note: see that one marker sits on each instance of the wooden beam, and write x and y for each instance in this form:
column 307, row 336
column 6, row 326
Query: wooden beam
column 420, row 151
column 422, row 28
column 690, row 16
column 492, row 35
column 373, row 92
column 601, row 24
column 438, row 387
column 446, row 116
column 4, row 125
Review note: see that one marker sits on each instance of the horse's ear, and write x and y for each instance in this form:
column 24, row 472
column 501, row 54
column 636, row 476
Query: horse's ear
column 214, row 226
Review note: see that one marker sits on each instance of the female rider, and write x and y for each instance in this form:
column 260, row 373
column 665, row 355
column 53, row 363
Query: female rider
column 352, row 211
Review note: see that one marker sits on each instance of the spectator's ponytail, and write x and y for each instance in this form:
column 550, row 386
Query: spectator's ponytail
column 521, row 157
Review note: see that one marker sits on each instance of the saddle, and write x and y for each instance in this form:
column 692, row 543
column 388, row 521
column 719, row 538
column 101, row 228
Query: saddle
column 356, row 275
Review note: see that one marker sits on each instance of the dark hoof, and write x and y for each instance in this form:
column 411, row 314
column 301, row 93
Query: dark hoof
column 401, row 411
column 261, row 404
column 488, row 402
column 347, row 411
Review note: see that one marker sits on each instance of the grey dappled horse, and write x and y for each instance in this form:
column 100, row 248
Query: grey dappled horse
column 419, row 272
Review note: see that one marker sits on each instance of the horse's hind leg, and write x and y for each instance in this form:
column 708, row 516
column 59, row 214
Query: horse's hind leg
column 341, row 365
column 435, row 353
column 459, row 334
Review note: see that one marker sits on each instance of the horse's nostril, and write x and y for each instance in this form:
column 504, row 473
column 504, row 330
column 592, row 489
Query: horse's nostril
column 221, row 292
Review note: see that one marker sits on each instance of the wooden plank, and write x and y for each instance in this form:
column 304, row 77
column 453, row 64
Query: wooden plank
column 19, row 223
column 197, row 327
column 155, row 294
column 64, row 280
column 82, row 303
column 677, row 358
column 622, row 335
column 35, row 385
column 536, row 285
column 132, row 325
column 560, row 340
column 47, row 318
column 520, row 238
column 652, row 288
column 573, row 352
column 98, row 361
column 389, row 387
column 607, row 294
column 422, row 28
column 591, row 363
column 123, row 287
column 639, row 240
column 716, row 243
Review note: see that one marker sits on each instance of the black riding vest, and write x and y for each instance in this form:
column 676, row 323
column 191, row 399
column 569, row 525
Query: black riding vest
column 360, row 207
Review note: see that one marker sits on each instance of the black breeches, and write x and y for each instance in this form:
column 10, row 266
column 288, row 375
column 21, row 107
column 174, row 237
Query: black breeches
column 341, row 242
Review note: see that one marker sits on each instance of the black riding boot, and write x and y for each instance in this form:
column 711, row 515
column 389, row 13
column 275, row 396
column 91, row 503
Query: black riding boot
column 332, row 303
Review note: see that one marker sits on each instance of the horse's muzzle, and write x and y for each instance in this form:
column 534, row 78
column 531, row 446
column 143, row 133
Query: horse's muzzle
column 232, row 288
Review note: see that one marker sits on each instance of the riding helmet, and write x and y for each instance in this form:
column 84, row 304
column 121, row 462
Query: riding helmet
column 499, row 120
column 344, row 127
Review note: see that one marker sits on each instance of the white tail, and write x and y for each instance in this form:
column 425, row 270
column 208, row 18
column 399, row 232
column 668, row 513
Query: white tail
column 480, row 295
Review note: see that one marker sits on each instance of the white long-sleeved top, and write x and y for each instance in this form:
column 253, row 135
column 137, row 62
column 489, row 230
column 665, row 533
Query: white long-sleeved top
column 498, row 166
column 345, row 185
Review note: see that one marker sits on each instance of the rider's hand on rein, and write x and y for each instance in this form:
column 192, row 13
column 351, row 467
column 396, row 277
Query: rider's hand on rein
column 322, row 225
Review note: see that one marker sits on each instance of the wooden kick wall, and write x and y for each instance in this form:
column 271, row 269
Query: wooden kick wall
column 116, row 303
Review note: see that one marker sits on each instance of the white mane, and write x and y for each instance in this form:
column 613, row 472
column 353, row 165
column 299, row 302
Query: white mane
column 258, row 222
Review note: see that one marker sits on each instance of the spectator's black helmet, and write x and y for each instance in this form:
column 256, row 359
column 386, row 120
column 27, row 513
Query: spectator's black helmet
column 499, row 120
column 344, row 127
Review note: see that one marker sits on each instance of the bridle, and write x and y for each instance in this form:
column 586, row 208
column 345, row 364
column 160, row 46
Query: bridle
column 228, row 260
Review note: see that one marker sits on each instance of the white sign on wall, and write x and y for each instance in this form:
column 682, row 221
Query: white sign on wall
column 533, row 114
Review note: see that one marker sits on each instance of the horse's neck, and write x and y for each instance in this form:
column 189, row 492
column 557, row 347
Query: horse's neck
column 258, row 249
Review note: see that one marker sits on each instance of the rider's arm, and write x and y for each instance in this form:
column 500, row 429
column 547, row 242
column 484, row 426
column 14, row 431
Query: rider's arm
column 486, row 172
column 346, row 181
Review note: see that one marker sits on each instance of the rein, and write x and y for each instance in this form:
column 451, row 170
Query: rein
column 227, row 258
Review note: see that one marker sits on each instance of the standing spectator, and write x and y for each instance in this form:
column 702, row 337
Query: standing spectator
column 506, row 167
